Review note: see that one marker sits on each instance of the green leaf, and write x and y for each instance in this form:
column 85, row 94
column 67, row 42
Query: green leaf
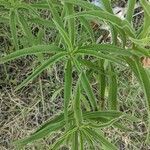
column 43, row 22
column 103, row 15
column 101, row 78
column 100, row 55
column 67, row 89
column 104, row 125
column 89, row 139
column 106, row 114
column 26, row 29
column 41, row 68
column 29, row 51
column 75, row 142
column 100, row 138
column 110, row 49
column 13, row 28
column 107, row 5
column 57, row 144
column 71, row 22
column 130, row 10
column 88, row 27
column 55, row 13
column 77, row 105
column 141, row 42
column 86, row 85
column 83, row 4
column 88, row 89
column 64, row 35
column 145, row 82
column 146, row 5
column 112, row 95
column 146, row 25
column 27, row 7
column 40, row 134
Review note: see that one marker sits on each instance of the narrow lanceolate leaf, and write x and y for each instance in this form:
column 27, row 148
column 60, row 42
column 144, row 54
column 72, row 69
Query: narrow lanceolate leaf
column 55, row 13
column 103, row 15
column 143, row 77
column 89, row 139
column 101, row 55
column 4, row 20
column 100, row 138
column 41, row 68
column 145, row 81
column 146, row 6
column 28, row 7
column 130, row 10
column 112, row 95
column 101, row 78
column 43, row 22
column 57, row 144
column 146, row 26
column 77, row 105
column 56, row 119
column 26, row 29
column 71, row 22
column 13, row 28
column 88, row 89
column 83, row 4
column 39, row 135
column 86, row 85
column 67, row 89
column 110, row 49
column 107, row 114
column 108, row 7
column 64, row 35
column 30, row 51
column 88, row 27
column 75, row 143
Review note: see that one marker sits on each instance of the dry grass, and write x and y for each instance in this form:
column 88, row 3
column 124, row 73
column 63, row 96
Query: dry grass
column 22, row 112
